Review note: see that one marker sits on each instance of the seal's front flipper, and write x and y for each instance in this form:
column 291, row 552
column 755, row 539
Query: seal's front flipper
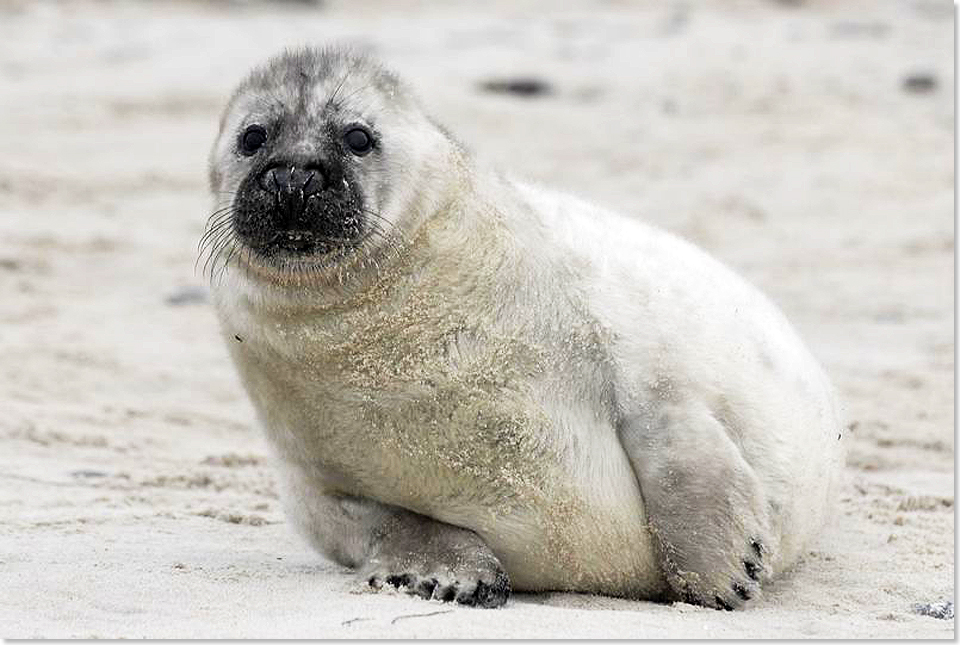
column 704, row 505
column 392, row 546
column 433, row 560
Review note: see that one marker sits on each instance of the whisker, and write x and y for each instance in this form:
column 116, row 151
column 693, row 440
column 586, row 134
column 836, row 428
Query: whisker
column 219, row 248
column 215, row 237
column 383, row 219
column 212, row 231
column 220, row 211
column 222, row 241
column 226, row 263
column 227, row 250
column 336, row 90
column 353, row 93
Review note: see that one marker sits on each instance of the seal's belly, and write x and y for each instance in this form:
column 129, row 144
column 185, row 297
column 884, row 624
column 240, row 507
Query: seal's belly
column 532, row 466
column 547, row 485
column 584, row 529
column 557, row 518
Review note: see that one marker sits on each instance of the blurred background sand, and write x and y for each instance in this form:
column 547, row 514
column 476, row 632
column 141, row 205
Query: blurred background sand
column 807, row 143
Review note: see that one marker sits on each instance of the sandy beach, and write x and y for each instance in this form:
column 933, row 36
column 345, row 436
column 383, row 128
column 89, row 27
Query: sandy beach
column 806, row 143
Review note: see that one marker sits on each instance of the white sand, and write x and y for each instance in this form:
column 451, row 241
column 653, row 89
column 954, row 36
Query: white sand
column 776, row 135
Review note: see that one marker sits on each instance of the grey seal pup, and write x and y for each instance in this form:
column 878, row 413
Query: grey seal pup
column 474, row 385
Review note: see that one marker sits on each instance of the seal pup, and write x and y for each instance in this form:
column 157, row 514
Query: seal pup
column 472, row 384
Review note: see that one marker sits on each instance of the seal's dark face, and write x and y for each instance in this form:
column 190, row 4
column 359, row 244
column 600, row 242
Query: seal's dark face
column 317, row 165
column 301, row 199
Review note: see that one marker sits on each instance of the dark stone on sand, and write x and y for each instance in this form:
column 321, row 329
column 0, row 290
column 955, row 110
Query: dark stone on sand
column 942, row 610
column 919, row 83
column 88, row 473
column 526, row 87
column 187, row 296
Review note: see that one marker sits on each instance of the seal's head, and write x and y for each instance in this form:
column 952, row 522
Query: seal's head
column 316, row 162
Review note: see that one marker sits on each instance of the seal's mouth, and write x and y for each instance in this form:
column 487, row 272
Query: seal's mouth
column 300, row 243
column 295, row 241
column 304, row 243
column 281, row 255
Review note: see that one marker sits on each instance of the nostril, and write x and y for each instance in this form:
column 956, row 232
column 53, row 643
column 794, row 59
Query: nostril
column 275, row 178
column 312, row 183
column 307, row 179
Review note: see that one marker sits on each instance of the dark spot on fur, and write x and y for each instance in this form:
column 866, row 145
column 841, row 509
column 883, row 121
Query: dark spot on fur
column 752, row 569
column 237, row 336
column 722, row 604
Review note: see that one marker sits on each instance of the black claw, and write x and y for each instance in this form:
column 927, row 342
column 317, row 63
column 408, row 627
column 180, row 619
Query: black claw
column 722, row 604
column 487, row 595
column 741, row 591
column 426, row 587
column 499, row 591
column 752, row 569
column 405, row 580
column 687, row 596
column 468, row 599
column 482, row 594
column 447, row 594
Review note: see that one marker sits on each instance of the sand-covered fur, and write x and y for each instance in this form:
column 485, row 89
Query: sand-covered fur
column 608, row 409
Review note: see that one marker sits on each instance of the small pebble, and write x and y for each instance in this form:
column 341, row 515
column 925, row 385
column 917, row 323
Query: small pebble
column 941, row 610
column 88, row 473
column 187, row 296
column 919, row 83
column 525, row 87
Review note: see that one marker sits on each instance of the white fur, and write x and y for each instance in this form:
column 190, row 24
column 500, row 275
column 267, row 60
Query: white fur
column 530, row 367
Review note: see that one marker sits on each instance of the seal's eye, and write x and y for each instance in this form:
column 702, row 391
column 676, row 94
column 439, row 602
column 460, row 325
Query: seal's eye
column 359, row 141
column 252, row 138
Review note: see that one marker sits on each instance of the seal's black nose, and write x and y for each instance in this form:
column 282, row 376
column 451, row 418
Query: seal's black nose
column 292, row 179
column 291, row 187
